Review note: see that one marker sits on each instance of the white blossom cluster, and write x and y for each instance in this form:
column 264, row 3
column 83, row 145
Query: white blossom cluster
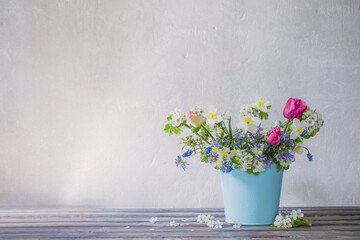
column 286, row 220
column 245, row 160
column 246, row 110
column 209, row 220
column 259, row 166
column 177, row 117
column 312, row 121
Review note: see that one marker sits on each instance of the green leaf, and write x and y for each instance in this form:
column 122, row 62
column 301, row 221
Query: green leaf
column 194, row 129
column 169, row 117
column 306, row 222
column 177, row 130
column 302, row 222
column 266, row 115
column 167, row 127
column 268, row 107
column 230, row 131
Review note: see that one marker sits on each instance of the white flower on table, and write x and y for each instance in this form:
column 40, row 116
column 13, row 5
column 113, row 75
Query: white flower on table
column 209, row 218
column 174, row 224
column 296, row 214
column 249, row 123
column 297, row 129
column 237, row 225
column 153, row 220
column 201, row 218
column 210, row 224
column 218, row 224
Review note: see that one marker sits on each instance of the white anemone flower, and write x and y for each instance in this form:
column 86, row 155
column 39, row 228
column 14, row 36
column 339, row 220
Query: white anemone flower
column 298, row 149
column 249, row 123
column 261, row 104
column 213, row 116
column 297, row 128
column 225, row 153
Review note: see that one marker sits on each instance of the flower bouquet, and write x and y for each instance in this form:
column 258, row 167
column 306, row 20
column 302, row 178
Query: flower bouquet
column 249, row 153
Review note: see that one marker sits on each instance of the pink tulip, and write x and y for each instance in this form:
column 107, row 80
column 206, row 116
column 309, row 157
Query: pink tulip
column 194, row 119
column 274, row 136
column 294, row 108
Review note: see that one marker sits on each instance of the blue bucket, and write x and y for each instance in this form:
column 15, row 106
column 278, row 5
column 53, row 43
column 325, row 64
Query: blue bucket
column 250, row 199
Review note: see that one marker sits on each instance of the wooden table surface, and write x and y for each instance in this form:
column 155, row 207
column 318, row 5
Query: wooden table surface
column 329, row 222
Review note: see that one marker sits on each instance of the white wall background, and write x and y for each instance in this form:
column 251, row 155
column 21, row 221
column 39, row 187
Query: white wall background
column 85, row 87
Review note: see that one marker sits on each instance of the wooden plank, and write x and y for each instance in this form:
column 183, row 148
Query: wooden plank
column 328, row 222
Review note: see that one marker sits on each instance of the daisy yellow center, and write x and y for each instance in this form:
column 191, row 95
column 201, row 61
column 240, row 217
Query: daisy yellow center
column 214, row 150
column 223, row 153
column 299, row 130
column 297, row 149
column 211, row 115
column 260, row 104
column 234, row 153
column 248, row 121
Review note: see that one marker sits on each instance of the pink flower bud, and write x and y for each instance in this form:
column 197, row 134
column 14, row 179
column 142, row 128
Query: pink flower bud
column 294, row 108
column 194, row 119
column 274, row 136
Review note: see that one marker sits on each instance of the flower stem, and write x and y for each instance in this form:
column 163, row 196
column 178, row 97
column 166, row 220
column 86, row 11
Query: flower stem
column 198, row 135
column 286, row 125
column 226, row 130
column 207, row 131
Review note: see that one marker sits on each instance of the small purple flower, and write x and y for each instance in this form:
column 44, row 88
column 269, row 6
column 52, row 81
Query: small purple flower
column 181, row 163
column 268, row 164
column 214, row 156
column 261, row 158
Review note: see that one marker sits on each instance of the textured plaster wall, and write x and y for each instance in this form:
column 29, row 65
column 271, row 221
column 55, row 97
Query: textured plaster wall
column 85, row 87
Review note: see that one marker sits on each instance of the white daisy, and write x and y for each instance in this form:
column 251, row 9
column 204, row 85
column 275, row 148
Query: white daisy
column 224, row 153
column 261, row 104
column 249, row 123
column 213, row 116
column 298, row 149
column 297, row 129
